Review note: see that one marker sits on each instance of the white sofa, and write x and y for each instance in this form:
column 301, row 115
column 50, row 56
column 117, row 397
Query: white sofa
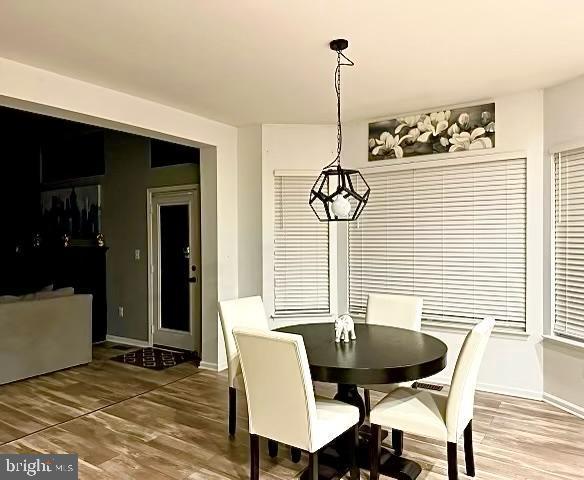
column 40, row 335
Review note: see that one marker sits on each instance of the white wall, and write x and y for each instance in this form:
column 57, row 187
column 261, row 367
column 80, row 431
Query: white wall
column 33, row 89
column 513, row 364
column 563, row 360
column 249, row 207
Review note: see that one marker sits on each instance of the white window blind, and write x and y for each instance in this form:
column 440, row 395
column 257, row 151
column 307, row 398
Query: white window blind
column 301, row 250
column 569, row 244
column 453, row 235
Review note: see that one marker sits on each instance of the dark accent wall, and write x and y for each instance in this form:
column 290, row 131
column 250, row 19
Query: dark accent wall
column 23, row 136
column 125, row 226
column 71, row 157
column 19, row 193
column 166, row 154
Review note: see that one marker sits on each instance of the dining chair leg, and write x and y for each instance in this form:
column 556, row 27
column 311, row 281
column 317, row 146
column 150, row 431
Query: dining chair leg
column 272, row 448
column 397, row 442
column 232, row 410
column 295, row 454
column 468, row 451
column 367, row 395
column 374, row 451
column 353, row 462
column 313, row 466
column 452, row 462
column 254, row 457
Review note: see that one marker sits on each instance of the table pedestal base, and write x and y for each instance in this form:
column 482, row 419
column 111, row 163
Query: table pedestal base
column 332, row 461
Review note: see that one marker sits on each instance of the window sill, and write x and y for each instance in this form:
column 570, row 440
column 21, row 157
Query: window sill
column 464, row 330
column 461, row 329
column 301, row 315
column 279, row 321
column 564, row 341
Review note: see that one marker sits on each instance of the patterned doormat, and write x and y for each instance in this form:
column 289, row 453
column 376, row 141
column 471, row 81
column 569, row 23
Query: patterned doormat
column 156, row 358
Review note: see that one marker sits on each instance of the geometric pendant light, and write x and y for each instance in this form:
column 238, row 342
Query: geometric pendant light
column 339, row 194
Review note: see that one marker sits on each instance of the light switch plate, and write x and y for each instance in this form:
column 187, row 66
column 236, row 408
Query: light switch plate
column 137, row 254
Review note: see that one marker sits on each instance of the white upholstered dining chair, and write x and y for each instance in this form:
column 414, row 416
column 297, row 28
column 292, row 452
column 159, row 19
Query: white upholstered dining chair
column 281, row 402
column 437, row 416
column 403, row 311
column 239, row 312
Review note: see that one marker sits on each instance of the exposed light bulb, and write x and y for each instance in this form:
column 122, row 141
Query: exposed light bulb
column 341, row 207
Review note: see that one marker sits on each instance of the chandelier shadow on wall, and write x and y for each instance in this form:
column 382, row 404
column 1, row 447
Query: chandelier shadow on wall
column 339, row 194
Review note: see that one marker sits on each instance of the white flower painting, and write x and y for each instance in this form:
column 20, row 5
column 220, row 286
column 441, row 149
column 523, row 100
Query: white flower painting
column 455, row 130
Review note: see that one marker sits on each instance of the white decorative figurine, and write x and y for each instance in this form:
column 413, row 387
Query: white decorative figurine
column 344, row 329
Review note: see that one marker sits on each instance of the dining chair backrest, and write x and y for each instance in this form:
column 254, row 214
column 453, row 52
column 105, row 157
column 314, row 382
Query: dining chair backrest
column 239, row 312
column 280, row 397
column 403, row 311
column 459, row 409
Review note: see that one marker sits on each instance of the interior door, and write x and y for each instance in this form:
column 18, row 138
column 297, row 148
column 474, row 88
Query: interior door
column 175, row 270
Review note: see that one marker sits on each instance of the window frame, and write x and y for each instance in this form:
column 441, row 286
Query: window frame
column 549, row 330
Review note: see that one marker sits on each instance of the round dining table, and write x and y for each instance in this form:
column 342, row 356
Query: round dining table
column 379, row 355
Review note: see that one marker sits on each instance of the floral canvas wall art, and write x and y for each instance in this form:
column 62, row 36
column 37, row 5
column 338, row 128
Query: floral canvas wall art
column 455, row 130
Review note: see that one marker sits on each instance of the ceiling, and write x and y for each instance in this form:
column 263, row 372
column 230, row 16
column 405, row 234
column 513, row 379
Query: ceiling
column 267, row 61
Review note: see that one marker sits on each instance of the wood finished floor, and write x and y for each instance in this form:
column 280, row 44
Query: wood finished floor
column 127, row 422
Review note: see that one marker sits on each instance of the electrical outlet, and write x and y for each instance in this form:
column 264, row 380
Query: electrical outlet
column 137, row 254
column 121, row 311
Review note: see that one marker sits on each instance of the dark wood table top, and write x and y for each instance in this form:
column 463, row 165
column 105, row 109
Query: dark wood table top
column 379, row 355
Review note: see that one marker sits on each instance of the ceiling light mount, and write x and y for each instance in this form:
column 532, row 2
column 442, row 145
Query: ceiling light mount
column 339, row 44
column 341, row 193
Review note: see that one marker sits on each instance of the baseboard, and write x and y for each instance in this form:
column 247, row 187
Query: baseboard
column 511, row 391
column 208, row 366
column 498, row 389
column 564, row 405
column 127, row 341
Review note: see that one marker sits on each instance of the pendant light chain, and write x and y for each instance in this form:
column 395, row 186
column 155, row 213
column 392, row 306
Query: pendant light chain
column 349, row 63
column 339, row 125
